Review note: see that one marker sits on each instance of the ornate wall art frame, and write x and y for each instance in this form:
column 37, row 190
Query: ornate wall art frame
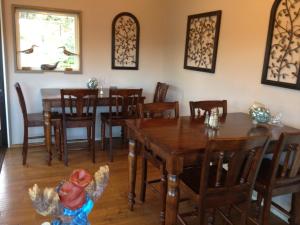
column 202, row 39
column 125, row 42
column 282, row 56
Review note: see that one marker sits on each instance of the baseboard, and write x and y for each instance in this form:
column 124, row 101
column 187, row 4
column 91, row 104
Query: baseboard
column 39, row 144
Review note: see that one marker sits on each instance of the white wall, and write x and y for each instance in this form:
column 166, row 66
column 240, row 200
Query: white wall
column 97, row 16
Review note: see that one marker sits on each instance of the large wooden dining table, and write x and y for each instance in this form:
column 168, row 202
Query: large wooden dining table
column 51, row 99
column 180, row 142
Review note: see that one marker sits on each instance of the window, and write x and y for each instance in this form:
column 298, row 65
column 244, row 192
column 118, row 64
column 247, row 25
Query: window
column 47, row 40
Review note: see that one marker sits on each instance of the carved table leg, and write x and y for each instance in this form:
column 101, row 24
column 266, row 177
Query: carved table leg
column 164, row 187
column 295, row 218
column 132, row 160
column 172, row 199
column 47, row 128
column 174, row 169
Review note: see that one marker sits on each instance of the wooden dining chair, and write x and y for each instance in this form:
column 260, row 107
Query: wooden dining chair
column 36, row 120
column 218, row 188
column 122, row 106
column 156, row 110
column 79, row 110
column 199, row 108
column 160, row 92
column 279, row 175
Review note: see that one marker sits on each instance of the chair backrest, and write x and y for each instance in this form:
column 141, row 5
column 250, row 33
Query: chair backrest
column 22, row 101
column 199, row 108
column 79, row 103
column 124, row 101
column 160, row 92
column 286, row 159
column 159, row 110
column 241, row 156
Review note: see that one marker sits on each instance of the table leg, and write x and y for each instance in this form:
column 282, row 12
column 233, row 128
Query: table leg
column 172, row 199
column 47, row 129
column 295, row 218
column 132, row 160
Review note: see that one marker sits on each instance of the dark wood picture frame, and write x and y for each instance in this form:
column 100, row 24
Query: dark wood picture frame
column 197, row 57
column 282, row 45
column 131, row 27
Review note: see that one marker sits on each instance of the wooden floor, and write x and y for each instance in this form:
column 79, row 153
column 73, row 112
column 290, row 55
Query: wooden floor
column 15, row 179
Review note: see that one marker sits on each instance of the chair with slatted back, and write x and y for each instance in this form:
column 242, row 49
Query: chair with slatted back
column 122, row 106
column 218, row 188
column 79, row 110
column 279, row 175
column 156, row 110
column 199, row 108
column 160, row 92
column 36, row 120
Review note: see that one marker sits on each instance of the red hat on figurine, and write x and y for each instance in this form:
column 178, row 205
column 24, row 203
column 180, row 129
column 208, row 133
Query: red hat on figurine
column 81, row 178
column 72, row 193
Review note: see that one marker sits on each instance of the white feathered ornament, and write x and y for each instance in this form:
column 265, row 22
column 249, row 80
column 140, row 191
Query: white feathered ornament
column 71, row 201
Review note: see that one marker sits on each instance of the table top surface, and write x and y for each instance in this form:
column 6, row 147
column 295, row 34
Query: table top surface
column 184, row 135
column 54, row 93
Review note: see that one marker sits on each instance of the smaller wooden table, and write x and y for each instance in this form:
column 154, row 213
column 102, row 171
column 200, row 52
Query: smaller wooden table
column 51, row 99
column 181, row 142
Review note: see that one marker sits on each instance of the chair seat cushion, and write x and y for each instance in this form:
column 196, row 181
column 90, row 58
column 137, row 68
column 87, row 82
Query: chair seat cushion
column 75, row 117
column 37, row 119
column 191, row 176
column 116, row 119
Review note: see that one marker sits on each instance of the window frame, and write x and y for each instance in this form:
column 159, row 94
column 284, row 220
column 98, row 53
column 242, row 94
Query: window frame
column 46, row 9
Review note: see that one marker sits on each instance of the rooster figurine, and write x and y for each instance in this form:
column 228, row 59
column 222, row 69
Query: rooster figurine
column 66, row 52
column 29, row 50
column 71, row 201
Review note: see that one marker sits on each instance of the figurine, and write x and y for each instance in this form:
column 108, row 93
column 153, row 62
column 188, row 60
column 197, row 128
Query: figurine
column 29, row 50
column 49, row 67
column 66, row 52
column 71, row 201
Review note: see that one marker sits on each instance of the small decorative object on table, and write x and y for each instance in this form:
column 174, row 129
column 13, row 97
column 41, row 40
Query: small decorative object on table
column 214, row 120
column 92, row 83
column 71, row 201
column 259, row 113
column 276, row 120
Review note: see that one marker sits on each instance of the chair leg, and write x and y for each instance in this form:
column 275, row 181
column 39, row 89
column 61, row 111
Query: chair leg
column 61, row 142
column 125, row 135
column 144, row 179
column 258, row 202
column 25, row 145
column 266, row 210
column 65, row 146
column 88, row 132
column 102, row 135
column 93, row 143
column 57, row 141
column 111, row 157
column 244, row 213
column 163, row 187
column 122, row 134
